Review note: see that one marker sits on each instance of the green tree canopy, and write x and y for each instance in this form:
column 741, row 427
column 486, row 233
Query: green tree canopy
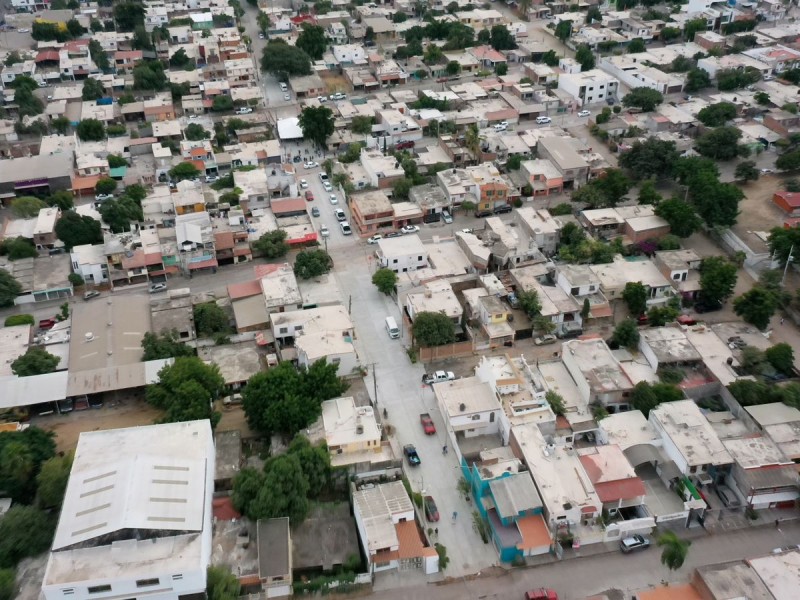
column 653, row 158
column 272, row 244
column 210, row 319
column 385, row 280
column 636, row 45
column 316, row 123
column 643, row 97
column 681, row 216
column 120, row 213
column 529, row 302
column 696, row 80
column 756, row 306
column 284, row 492
column 92, row 89
column 501, row 38
column 287, row 400
column 312, row 40
column 674, row 549
column 312, row 263
column 24, row 531
column 585, row 57
column 8, row 584
column 433, row 329
column 721, row 143
column 361, row 124
column 781, row 357
column 105, row 185
column 563, row 30
column 52, row 481
column 626, row 334
column 91, row 130
column 149, row 75
column 164, row 345
column 184, row 170
column 9, row 289
column 76, row 230
column 717, row 278
column 746, row 171
column 283, row 60
column 36, row 361
column 780, row 243
column 186, row 390
column 27, row 207
column 315, row 462
column 221, row 584
column 22, row 454
column 717, row 114
column 18, row 247
column 635, row 297
column 195, row 132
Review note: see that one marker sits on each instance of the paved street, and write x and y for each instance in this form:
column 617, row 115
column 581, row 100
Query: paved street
column 575, row 579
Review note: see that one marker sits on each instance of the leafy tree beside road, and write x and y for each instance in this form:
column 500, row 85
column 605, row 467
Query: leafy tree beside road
column 626, row 334
column 312, row 263
column 284, row 61
column 635, row 296
column 316, row 122
column 644, row 98
column 681, row 216
column 272, row 244
column 756, row 306
column 717, row 279
column 210, row 319
column 433, row 329
column 76, row 230
column 385, row 280
column 312, row 41
column 674, row 549
column 652, row 158
column 721, row 143
column 186, row 390
column 715, row 115
column 164, row 345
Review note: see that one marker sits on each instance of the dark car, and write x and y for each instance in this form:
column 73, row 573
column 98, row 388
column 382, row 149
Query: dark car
column 404, row 145
column 727, row 496
column 392, row 234
column 431, row 511
column 411, row 455
column 506, row 208
column 480, row 214
column 706, row 306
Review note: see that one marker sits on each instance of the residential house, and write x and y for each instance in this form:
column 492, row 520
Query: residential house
column 493, row 315
column 487, row 56
column 352, row 433
column 682, row 268
column 690, row 442
column 470, row 409
column 597, row 373
column 616, row 275
column 275, row 557
column 384, row 516
column 89, row 261
column 290, row 325
column 543, row 177
column 435, row 296
column 510, row 244
column 382, row 171
column 334, row 346
column 589, row 87
column 371, row 212
column 668, row 347
column 633, row 223
column 762, row 475
column 562, row 154
column 613, row 478
column 402, row 254
column 491, row 189
column 541, row 226
column 782, row 424
column 44, row 232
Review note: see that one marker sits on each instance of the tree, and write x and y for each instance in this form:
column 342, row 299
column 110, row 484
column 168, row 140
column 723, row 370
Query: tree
column 316, row 123
column 502, row 39
column 781, row 357
column 636, row 45
column 210, row 319
column 667, row 34
column 8, row 584
column 98, row 55
column 186, row 390
column 780, row 242
column 717, row 114
column 593, row 14
column 272, row 244
column 717, row 278
column 312, row 41
column 28, row 105
column 681, row 216
column 529, row 302
column 60, row 125
column 586, row 310
column 385, row 280
column 658, row 316
column 626, row 334
column 184, row 170
column 27, row 207
column 312, row 263
column 646, row 397
column 284, row 60
column 119, row 214
column 24, row 531
column 92, row 89
column 591, row 195
column 556, row 402
column 563, row 30
column 245, row 488
column 613, row 184
column 221, row 584
column 180, row 59
column 36, row 361
column 648, row 193
column 315, row 462
column 361, row 124
column 717, row 203
column 762, row 98
column 635, row 296
column 76, row 230
column 433, row 55
column 653, row 158
column 550, row 58
column 91, row 130
column 433, row 329
column 720, row 143
column 105, row 185
column 733, row 79
column 115, row 161
column 790, row 161
column 756, row 306
column 284, row 492
column 694, row 26
column 52, row 481
column 14, row 320
column 287, row 400
column 18, row 247
column 222, row 103
column 675, row 549
column 585, row 57
column 9, row 289
column 453, row 68
column 643, row 97
column 167, row 344
column 149, row 75
column 746, row 171
column 128, row 14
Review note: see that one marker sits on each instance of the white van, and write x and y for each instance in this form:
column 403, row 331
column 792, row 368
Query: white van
column 391, row 328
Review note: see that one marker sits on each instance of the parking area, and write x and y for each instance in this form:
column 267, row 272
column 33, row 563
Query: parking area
column 659, row 499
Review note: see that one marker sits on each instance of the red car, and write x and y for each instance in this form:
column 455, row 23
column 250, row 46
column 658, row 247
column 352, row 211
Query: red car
column 686, row 320
column 47, row 323
column 404, row 145
column 431, row 511
column 309, row 196
column 541, row 594
column 427, row 424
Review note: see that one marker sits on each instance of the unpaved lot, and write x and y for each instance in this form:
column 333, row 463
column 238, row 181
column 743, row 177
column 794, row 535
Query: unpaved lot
column 757, row 213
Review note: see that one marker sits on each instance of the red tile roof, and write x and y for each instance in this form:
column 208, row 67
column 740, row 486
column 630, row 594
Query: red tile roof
column 84, row 183
column 410, row 541
column 47, row 55
column 264, row 270
column 534, row 532
column 288, row 205
column 223, row 509
column 790, row 198
column 223, row 240
column 624, row 489
column 244, row 290
column 203, row 264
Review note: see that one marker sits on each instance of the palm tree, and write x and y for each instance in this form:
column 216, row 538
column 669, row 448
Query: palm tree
column 472, row 139
column 675, row 550
column 524, row 6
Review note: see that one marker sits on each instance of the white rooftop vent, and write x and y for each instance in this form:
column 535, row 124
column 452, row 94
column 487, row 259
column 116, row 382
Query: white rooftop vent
column 89, row 336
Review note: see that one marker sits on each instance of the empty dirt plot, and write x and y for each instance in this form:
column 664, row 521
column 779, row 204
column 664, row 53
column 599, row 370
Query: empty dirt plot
column 757, row 213
column 68, row 427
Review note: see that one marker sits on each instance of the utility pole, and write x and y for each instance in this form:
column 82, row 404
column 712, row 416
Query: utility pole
column 374, row 381
column 786, row 268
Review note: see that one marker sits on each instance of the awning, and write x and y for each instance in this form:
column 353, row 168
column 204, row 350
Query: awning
column 643, row 453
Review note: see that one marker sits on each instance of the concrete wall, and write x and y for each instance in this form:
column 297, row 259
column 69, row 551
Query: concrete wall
column 447, row 351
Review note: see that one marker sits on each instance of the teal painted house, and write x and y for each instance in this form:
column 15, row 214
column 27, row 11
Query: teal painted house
column 508, row 500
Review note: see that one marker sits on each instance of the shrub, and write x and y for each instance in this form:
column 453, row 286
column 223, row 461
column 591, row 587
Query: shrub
column 19, row 320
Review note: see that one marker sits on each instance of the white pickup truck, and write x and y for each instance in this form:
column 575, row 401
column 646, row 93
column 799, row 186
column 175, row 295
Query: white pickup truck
column 437, row 377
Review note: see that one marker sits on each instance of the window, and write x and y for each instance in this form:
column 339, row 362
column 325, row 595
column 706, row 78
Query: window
column 476, row 417
column 489, row 193
column 491, row 417
column 177, row 577
column 298, row 328
column 147, row 582
column 284, row 330
column 394, row 261
column 419, row 258
column 677, row 276
column 97, row 589
column 68, row 591
column 336, row 361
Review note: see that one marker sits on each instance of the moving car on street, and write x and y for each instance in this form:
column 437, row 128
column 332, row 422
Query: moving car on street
column 438, row 377
column 411, row 455
column 427, row 424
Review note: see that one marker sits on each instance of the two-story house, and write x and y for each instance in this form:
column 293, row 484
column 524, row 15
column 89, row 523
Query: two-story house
column 682, row 268
column 402, row 254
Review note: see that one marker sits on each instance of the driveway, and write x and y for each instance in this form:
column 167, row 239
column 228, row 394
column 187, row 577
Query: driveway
column 402, row 394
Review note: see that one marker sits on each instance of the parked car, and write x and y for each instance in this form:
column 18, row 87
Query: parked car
column 431, row 510
column 303, row 184
column 409, row 229
column 480, row 214
column 767, row 171
column 727, row 496
column 633, row 543
column 47, row 323
column 447, row 217
column 322, row 99
column 686, row 320
column 411, row 455
column 502, row 126
column 323, row 176
column 392, row 234
column 544, row 340
column 244, row 110
column 90, row 295
column 505, row 208
column 346, row 229
column 543, row 120
column 315, row 212
column 513, row 300
column 437, row 377
column 584, row 113
column 309, row 196
column 404, row 145
column 287, row 97
column 327, row 185
column 311, row 165
column 103, row 197
column 157, row 287
column 211, row 178
column 334, row 199
column 324, row 232
column 427, row 424
column 374, row 239
column 340, row 215
column 541, row 594
column 261, row 36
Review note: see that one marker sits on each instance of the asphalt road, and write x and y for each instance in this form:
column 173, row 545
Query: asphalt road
column 575, row 579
